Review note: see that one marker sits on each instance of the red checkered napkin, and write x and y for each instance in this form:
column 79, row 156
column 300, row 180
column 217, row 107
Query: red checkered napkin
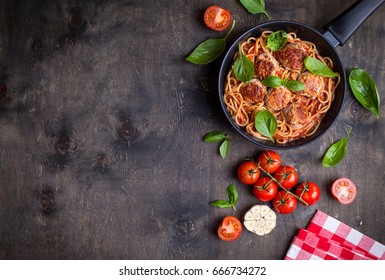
column 327, row 238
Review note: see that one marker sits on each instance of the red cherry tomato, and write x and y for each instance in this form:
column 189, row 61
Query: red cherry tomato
column 287, row 176
column 248, row 172
column 269, row 161
column 265, row 189
column 344, row 190
column 217, row 18
column 284, row 202
column 230, row 229
column 309, row 192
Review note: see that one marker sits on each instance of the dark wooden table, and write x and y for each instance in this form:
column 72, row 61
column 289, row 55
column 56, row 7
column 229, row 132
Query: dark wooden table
column 102, row 120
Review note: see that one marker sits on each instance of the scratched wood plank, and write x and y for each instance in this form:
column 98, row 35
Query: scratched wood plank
column 101, row 124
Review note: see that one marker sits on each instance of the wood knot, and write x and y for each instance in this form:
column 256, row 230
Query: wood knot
column 184, row 229
column 47, row 201
column 37, row 46
column 358, row 113
column 65, row 146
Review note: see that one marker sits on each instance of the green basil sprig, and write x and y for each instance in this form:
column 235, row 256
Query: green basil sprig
column 265, row 123
column 209, row 50
column 317, row 67
column 255, row 7
column 232, row 198
column 274, row 82
column 336, row 152
column 365, row 90
column 216, row 136
column 243, row 67
column 276, row 40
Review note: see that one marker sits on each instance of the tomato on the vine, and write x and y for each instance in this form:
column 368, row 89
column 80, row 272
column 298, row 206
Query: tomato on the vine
column 230, row 229
column 269, row 161
column 284, row 202
column 248, row 172
column 265, row 189
column 287, row 176
column 217, row 18
column 309, row 192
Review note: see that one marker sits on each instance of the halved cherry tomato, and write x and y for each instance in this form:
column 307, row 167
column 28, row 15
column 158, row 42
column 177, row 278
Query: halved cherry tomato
column 248, row 172
column 269, row 161
column 217, row 18
column 344, row 190
column 265, row 189
column 287, row 176
column 309, row 192
column 284, row 202
column 230, row 229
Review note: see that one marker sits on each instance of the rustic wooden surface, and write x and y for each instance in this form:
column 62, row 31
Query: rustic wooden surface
column 101, row 122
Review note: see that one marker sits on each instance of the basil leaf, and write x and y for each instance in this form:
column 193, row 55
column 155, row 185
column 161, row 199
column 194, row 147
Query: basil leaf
column 209, row 50
column 232, row 194
column 221, row 203
column 317, row 67
column 272, row 81
column 336, row 152
column 224, row 148
column 265, row 123
column 294, row 85
column 255, row 7
column 276, row 40
column 243, row 67
column 365, row 90
column 214, row 136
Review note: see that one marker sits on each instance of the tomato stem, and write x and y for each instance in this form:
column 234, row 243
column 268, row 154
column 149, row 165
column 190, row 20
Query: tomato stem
column 282, row 187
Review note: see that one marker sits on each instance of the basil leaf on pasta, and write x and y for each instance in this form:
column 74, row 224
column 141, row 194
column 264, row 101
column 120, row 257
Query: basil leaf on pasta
column 243, row 67
column 272, row 81
column 294, row 85
column 209, row 50
column 276, row 40
column 265, row 123
column 317, row 67
column 365, row 90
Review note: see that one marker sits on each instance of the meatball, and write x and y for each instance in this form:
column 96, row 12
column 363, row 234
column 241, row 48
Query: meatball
column 278, row 98
column 296, row 115
column 265, row 65
column 253, row 91
column 292, row 55
column 313, row 84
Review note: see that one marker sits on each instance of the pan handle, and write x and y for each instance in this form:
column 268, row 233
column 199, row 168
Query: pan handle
column 344, row 25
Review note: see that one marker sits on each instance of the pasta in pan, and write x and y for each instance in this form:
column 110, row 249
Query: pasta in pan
column 298, row 113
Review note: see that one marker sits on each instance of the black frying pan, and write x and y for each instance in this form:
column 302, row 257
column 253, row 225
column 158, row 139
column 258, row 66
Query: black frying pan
column 338, row 31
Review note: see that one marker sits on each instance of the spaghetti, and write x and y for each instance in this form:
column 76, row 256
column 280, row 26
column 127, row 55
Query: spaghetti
column 298, row 113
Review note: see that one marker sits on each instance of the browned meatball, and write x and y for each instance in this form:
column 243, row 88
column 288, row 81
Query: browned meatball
column 265, row 65
column 313, row 84
column 278, row 98
column 253, row 91
column 296, row 115
column 292, row 55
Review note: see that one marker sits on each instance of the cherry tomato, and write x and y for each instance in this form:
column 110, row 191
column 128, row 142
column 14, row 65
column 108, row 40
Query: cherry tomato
column 287, row 176
column 284, row 202
column 217, row 18
column 230, row 229
column 344, row 190
column 269, row 161
column 248, row 172
column 309, row 192
column 265, row 189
